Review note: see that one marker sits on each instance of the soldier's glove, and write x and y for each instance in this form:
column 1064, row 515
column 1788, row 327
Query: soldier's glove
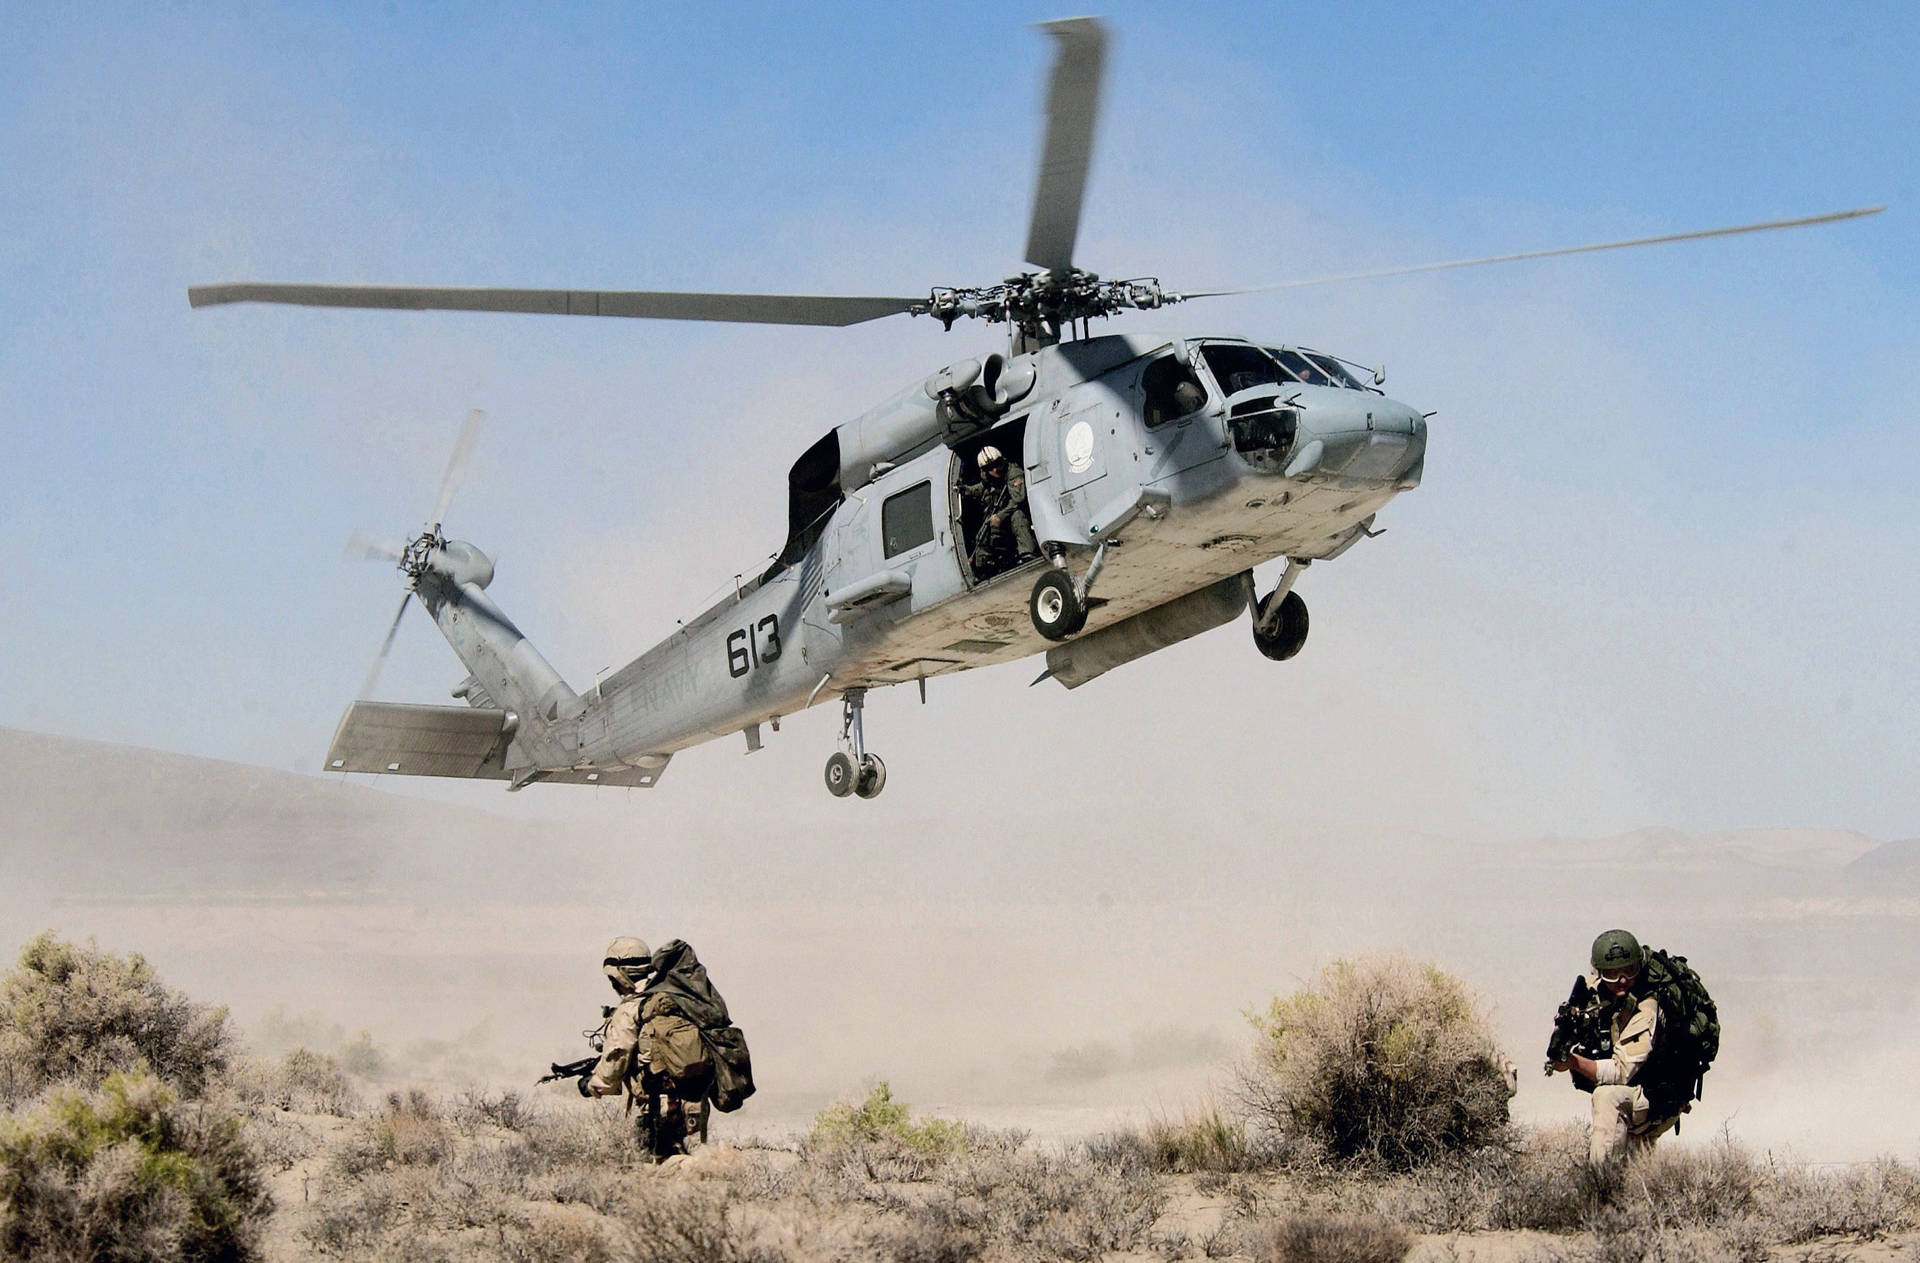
column 586, row 1089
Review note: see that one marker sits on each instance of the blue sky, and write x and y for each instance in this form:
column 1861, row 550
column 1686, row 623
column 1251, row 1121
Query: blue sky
column 1661, row 571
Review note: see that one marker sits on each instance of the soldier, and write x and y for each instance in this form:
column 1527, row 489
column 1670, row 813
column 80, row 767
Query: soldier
column 1005, row 538
column 1624, row 1120
column 651, row 1052
column 624, row 1052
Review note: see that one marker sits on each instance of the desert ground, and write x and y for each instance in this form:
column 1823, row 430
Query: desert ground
column 1058, row 997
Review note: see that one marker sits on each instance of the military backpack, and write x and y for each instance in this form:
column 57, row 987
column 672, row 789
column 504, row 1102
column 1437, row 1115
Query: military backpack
column 680, row 982
column 1687, row 1039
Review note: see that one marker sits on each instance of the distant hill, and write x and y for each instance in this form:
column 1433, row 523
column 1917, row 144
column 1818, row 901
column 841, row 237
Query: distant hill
column 89, row 819
column 1892, row 868
column 92, row 821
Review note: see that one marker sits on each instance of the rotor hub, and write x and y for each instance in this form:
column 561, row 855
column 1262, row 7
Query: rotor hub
column 1044, row 305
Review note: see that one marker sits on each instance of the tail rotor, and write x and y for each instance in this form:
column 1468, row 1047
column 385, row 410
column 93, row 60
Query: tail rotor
column 414, row 557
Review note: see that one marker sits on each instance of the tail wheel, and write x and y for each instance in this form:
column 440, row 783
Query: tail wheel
column 1288, row 634
column 841, row 777
column 873, row 777
column 1056, row 609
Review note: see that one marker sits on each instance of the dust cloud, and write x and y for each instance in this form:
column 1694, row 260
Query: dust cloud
column 1065, row 987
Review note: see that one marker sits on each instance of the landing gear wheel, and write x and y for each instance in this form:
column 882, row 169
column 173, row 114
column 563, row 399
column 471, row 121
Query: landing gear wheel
column 841, row 777
column 1288, row 634
column 1056, row 609
column 873, row 777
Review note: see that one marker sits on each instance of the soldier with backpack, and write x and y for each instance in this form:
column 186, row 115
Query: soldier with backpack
column 1664, row 1032
column 669, row 1044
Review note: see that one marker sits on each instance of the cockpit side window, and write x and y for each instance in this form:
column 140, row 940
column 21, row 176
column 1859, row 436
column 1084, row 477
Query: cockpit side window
column 1239, row 368
column 1171, row 389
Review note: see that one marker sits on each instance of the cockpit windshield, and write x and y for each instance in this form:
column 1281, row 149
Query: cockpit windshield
column 1316, row 369
column 1334, row 369
column 1239, row 368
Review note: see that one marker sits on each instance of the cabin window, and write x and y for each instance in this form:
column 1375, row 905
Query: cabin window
column 1171, row 391
column 906, row 519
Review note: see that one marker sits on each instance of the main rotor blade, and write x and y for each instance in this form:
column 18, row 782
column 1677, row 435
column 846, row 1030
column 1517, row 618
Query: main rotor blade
column 1073, row 105
column 1768, row 226
column 373, row 676
column 456, row 466
column 760, row 309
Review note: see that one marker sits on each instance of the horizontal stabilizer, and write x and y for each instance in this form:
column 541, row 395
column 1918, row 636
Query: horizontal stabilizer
column 458, row 741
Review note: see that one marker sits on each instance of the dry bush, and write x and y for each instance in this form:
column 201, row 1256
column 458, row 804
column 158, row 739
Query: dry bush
column 407, row 1131
column 476, row 1107
column 881, row 1119
column 1866, row 1201
column 669, row 1222
column 70, row 1012
column 279, row 1140
column 1315, row 1238
column 1693, row 1188
column 592, row 1132
column 555, row 1239
column 303, row 1081
column 1382, row 1062
column 128, row 1172
column 1045, row 1205
column 1203, row 1141
column 931, row 1234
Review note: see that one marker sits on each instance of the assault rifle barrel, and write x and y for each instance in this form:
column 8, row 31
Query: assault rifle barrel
column 571, row 1070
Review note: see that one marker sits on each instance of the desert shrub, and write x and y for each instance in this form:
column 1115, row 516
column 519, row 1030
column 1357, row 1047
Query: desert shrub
column 406, row 1131
column 477, row 1107
column 1673, row 1187
column 1205, row 1140
column 361, row 1059
column 1076, row 1205
column 926, row 1234
column 128, row 1172
column 77, row 1012
column 1865, row 1201
column 880, row 1118
column 303, row 1081
column 1381, row 1062
column 1318, row 1238
column 552, row 1239
column 674, row 1223
column 584, row 1134
column 279, row 1140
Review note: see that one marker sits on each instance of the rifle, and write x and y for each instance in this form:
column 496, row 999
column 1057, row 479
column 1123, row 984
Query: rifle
column 580, row 1069
column 1579, row 1026
column 571, row 1070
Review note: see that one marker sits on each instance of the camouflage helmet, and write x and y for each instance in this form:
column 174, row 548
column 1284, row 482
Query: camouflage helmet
column 1616, row 950
column 627, row 960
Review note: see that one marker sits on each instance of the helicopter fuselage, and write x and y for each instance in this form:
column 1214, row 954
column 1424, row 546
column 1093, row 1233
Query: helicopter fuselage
column 880, row 589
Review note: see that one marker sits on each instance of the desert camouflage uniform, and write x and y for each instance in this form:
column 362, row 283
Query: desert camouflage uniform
column 1623, row 1121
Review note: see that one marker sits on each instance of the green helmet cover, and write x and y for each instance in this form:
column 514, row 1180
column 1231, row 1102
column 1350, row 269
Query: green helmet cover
column 1617, row 949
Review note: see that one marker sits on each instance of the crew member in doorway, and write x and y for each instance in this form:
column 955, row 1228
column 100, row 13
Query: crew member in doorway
column 1005, row 538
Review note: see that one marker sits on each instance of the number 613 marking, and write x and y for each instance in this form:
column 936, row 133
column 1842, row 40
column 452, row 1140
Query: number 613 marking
column 752, row 646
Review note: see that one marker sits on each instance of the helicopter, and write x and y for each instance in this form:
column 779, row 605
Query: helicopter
column 1096, row 497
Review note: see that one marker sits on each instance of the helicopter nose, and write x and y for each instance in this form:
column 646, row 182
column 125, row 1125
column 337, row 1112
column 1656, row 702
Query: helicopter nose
column 1370, row 440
